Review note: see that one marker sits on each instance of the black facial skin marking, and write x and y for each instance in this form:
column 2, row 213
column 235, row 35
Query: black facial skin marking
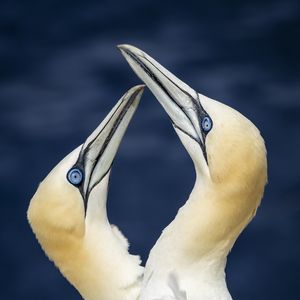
column 81, row 161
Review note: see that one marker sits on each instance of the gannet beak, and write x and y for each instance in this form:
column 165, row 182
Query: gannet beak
column 97, row 153
column 180, row 101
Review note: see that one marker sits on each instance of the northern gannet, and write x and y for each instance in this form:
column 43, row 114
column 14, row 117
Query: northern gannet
column 68, row 214
column 229, row 156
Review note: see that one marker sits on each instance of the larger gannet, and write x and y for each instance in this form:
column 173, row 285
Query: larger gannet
column 68, row 214
column 229, row 156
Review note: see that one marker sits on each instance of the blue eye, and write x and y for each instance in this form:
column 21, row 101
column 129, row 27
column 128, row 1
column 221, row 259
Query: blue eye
column 75, row 176
column 206, row 124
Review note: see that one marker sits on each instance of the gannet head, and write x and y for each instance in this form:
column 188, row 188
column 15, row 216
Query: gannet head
column 227, row 149
column 74, row 192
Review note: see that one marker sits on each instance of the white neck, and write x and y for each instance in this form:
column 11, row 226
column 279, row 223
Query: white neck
column 107, row 270
column 194, row 246
column 97, row 264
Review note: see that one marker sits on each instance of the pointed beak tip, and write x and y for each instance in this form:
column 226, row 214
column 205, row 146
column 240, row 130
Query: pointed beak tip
column 129, row 49
column 123, row 47
column 137, row 90
column 120, row 46
column 140, row 88
column 135, row 93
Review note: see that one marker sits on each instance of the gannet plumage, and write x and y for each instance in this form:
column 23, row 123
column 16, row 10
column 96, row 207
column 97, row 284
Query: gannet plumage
column 68, row 214
column 229, row 156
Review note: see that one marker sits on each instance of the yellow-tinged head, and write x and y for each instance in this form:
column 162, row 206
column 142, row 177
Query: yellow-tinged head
column 57, row 207
column 71, row 201
column 227, row 150
column 236, row 152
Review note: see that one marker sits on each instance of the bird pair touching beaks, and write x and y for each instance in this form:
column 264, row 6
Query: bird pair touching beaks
column 68, row 211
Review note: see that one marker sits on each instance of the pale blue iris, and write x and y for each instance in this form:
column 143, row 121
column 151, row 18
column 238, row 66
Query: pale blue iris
column 75, row 176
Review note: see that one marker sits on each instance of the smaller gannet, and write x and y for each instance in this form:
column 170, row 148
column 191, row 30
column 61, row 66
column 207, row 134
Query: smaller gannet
column 229, row 156
column 68, row 214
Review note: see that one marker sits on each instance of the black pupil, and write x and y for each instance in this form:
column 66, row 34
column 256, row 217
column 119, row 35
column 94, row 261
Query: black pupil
column 75, row 176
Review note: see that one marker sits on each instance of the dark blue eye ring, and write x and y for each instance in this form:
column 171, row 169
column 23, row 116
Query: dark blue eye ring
column 206, row 124
column 75, row 176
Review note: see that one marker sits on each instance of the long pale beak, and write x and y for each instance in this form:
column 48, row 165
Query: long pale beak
column 98, row 152
column 180, row 101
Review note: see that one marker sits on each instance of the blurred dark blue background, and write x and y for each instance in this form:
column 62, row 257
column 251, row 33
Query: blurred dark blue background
column 60, row 73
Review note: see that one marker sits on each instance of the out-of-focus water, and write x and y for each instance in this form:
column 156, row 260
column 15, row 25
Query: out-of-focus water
column 60, row 73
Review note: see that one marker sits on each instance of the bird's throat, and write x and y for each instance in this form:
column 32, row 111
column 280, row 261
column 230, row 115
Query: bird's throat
column 98, row 266
column 196, row 243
